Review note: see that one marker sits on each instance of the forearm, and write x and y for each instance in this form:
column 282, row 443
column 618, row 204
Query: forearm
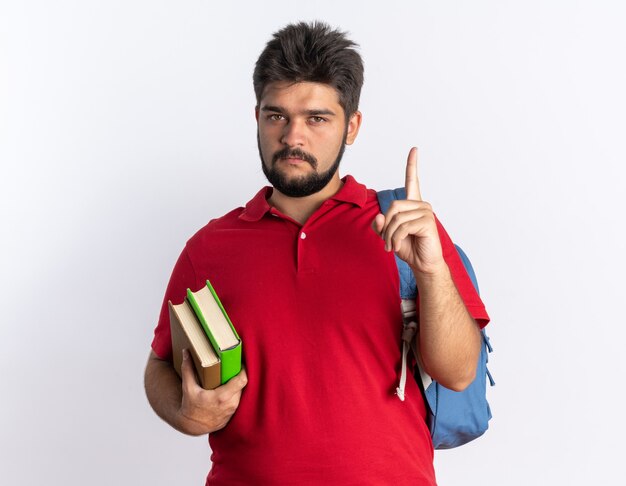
column 448, row 338
column 164, row 392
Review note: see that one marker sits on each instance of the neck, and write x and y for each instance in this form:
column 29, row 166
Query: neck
column 300, row 209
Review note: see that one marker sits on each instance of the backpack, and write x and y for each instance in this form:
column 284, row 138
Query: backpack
column 453, row 418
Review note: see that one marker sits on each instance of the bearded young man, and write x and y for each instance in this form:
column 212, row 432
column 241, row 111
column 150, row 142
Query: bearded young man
column 307, row 272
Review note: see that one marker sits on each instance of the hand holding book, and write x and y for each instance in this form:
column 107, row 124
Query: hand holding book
column 205, row 411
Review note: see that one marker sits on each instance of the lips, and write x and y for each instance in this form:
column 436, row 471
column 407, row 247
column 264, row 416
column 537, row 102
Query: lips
column 294, row 157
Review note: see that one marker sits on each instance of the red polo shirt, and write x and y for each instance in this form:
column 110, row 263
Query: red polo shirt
column 318, row 310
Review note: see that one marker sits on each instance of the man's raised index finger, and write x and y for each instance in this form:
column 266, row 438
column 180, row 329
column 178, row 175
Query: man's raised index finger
column 411, row 181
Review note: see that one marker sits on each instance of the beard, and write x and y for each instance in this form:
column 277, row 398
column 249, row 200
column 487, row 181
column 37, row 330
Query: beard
column 299, row 186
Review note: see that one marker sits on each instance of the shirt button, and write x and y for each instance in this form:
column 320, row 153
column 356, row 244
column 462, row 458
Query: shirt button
column 302, row 235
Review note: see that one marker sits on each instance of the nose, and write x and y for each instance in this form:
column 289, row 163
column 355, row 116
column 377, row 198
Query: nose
column 293, row 134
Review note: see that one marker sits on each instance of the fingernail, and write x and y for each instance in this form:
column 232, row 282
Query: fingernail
column 185, row 354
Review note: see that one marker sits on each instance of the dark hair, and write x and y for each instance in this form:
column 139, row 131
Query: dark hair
column 312, row 52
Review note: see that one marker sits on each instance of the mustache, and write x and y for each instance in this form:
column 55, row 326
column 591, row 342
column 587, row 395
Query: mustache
column 297, row 153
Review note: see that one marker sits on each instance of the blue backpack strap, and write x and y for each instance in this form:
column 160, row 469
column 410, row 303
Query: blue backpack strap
column 468, row 267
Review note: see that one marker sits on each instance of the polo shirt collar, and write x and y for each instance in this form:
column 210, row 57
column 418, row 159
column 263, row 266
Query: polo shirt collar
column 351, row 192
column 257, row 206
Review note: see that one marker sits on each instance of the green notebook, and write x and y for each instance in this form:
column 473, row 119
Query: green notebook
column 219, row 329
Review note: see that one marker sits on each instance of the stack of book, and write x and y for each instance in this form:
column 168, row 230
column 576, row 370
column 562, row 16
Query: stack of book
column 201, row 325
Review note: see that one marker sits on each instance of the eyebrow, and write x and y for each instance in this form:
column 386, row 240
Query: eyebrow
column 315, row 112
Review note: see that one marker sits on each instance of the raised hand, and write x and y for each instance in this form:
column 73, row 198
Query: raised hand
column 409, row 226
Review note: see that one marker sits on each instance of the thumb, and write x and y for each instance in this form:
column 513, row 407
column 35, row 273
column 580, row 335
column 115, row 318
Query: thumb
column 187, row 370
column 378, row 223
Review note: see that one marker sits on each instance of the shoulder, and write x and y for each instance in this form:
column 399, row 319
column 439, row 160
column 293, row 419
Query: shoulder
column 228, row 221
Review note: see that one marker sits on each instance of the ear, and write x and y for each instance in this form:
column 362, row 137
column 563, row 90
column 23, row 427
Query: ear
column 256, row 113
column 354, row 123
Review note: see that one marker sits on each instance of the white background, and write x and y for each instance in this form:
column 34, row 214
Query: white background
column 127, row 125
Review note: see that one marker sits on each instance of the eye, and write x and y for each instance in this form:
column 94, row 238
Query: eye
column 317, row 119
column 275, row 117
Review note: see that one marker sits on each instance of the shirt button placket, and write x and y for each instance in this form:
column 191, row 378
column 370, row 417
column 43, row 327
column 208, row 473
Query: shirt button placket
column 301, row 252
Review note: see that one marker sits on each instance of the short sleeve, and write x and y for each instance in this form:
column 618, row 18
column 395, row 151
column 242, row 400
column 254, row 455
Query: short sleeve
column 183, row 277
column 461, row 279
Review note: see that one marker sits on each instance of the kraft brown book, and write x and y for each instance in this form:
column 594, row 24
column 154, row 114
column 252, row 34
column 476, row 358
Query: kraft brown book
column 187, row 332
